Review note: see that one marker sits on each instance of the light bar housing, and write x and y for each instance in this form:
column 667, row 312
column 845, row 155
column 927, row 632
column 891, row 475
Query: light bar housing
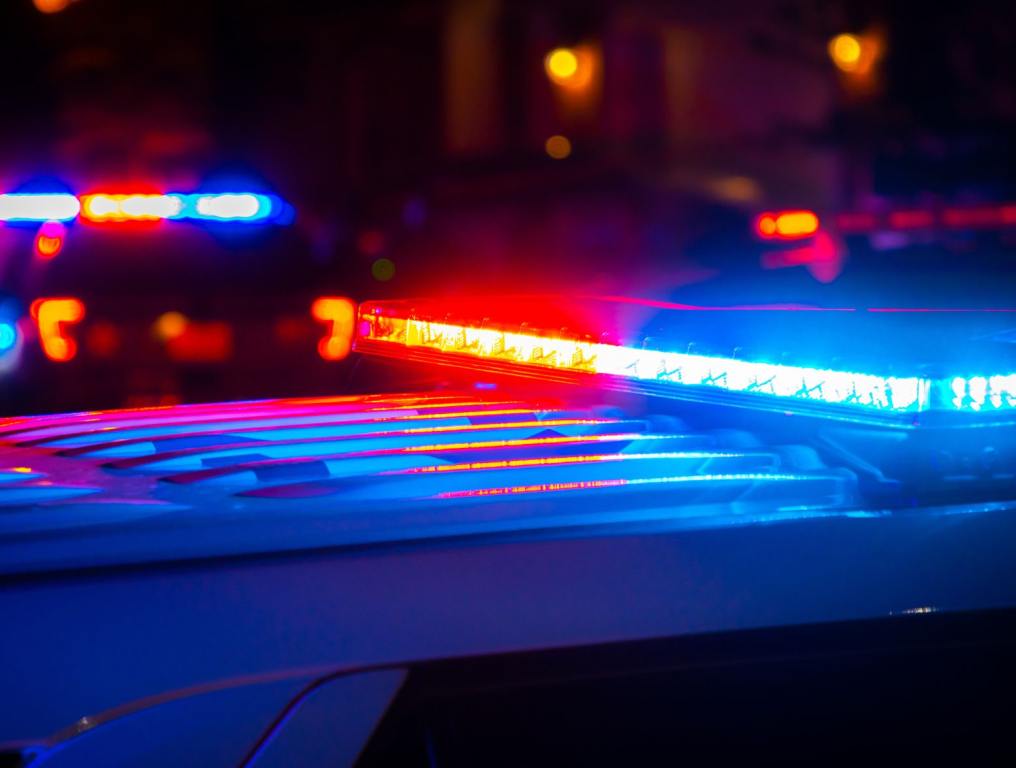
column 672, row 365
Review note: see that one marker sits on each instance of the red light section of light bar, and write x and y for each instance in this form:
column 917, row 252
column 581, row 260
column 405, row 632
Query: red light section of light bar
column 102, row 207
column 787, row 225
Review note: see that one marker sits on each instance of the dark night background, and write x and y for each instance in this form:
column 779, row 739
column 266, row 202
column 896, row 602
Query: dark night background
column 411, row 140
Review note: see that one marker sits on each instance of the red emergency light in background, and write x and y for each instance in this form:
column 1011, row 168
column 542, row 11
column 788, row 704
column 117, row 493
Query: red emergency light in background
column 339, row 313
column 981, row 217
column 787, row 225
column 52, row 316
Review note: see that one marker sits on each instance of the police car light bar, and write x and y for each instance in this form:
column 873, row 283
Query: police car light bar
column 105, row 207
column 395, row 329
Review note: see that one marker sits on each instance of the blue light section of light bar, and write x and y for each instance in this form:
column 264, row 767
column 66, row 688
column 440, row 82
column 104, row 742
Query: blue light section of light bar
column 980, row 393
column 784, row 381
column 16, row 207
column 239, row 207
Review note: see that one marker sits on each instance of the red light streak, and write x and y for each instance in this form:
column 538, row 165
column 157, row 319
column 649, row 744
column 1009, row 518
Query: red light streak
column 911, row 219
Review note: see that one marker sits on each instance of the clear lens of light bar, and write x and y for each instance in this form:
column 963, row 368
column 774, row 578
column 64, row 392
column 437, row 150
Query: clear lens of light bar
column 38, row 207
column 893, row 395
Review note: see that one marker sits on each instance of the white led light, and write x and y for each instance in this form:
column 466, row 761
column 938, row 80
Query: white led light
column 30, row 207
column 230, row 206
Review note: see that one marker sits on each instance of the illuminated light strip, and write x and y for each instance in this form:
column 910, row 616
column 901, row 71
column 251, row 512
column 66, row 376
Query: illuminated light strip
column 578, row 485
column 501, row 425
column 874, row 393
column 212, row 424
column 898, row 394
column 78, row 447
column 128, row 435
column 526, row 442
column 38, row 207
column 564, row 460
column 981, row 393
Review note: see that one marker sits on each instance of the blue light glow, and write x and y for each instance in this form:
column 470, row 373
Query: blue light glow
column 229, row 206
column 980, row 393
column 39, row 207
column 787, row 381
column 8, row 336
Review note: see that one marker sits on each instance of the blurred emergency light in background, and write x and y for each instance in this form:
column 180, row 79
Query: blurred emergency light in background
column 857, row 56
column 51, row 6
column 339, row 314
column 169, row 326
column 787, row 225
column 558, row 147
column 845, row 51
column 49, row 240
column 52, row 316
column 576, row 74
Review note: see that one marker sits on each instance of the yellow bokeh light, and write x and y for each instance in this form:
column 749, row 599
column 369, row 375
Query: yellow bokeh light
column 845, row 51
column 51, row 6
column 169, row 325
column 561, row 64
column 558, row 147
